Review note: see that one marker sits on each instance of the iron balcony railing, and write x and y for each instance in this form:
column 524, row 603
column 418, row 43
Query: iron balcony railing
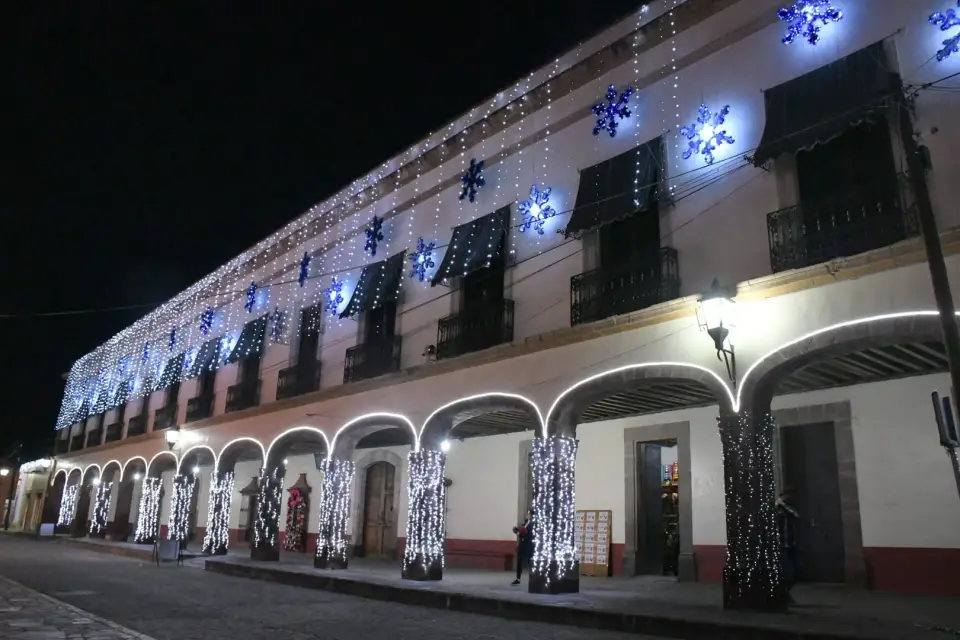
column 94, row 438
column 475, row 329
column 372, row 359
column 165, row 417
column 138, row 425
column 243, row 395
column 199, row 407
column 76, row 442
column 872, row 217
column 299, row 379
column 634, row 285
column 114, row 432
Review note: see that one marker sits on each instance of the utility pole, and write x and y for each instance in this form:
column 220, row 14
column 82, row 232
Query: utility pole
column 931, row 242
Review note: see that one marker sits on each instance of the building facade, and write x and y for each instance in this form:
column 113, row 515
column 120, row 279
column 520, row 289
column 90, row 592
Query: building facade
column 522, row 310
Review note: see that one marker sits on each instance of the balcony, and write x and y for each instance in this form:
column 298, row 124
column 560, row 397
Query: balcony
column 612, row 291
column 299, row 379
column 94, row 438
column 199, row 408
column 76, row 442
column 372, row 359
column 475, row 330
column 871, row 218
column 243, row 396
column 114, row 432
column 137, row 426
column 165, row 417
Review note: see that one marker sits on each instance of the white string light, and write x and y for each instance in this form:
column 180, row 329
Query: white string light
column 423, row 554
column 148, row 515
column 101, row 508
column 555, row 553
column 216, row 537
column 178, row 526
column 267, row 525
column 68, row 504
column 334, row 511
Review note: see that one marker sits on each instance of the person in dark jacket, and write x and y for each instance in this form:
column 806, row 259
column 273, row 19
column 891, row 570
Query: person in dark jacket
column 786, row 521
column 524, row 533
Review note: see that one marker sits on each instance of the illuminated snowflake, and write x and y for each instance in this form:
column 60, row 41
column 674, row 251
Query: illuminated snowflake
column 206, row 321
column 806, row 18
column 536, row 210
column 947, row 21
column 251, row 297
column 422, row 259
column 374, row 235
column 304, row 269
column 276, row 324
column 608, row 112
column 705, row 134
column 472, row 180
column 333, row 297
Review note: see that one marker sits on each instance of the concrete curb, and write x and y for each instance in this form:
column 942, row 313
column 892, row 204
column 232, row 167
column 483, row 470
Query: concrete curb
column 546, row 612
column 145, row 554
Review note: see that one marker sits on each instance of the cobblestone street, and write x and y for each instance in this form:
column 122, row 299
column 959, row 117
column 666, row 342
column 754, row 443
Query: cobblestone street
column 186, row 603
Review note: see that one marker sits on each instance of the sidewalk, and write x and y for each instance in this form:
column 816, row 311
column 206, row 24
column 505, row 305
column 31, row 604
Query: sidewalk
column 26, row 614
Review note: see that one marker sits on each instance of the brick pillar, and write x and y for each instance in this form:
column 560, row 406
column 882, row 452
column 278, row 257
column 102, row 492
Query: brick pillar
column 423, row 551
column 178, row 524
column 334, row 511
column 101, row 509
column 556, row 565
column 266, row 528
column 148, row 515
column 752, row 577
column 216, row 538
column 78, row 527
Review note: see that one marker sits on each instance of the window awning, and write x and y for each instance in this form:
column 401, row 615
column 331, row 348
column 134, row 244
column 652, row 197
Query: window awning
column 123, row 390
column 379, row 283
column 205, row 359
column 820, row 105
column 171, row 372
column 250, row 340
column 473, row 245
column 617, row 188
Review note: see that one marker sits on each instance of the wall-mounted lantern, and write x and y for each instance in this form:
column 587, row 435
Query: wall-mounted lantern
column 716, row 314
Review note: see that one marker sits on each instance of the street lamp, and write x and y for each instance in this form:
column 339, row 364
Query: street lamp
column 716, row 314
column 172, row 436
column 4, row 472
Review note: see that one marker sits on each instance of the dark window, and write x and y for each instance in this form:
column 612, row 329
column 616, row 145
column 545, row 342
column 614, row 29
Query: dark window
column 206, row 382
column 250, row 368
column 173, row 393
column 484, row 287
column 309, row 335
column 381, row 322
column 630, row 240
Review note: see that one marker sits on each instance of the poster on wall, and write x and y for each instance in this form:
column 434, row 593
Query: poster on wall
column 592, row 530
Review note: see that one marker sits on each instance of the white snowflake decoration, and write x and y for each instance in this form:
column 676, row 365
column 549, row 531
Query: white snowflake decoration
column 705, row 134
column 536, row 210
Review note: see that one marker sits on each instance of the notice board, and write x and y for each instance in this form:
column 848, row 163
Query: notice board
column 592, row 530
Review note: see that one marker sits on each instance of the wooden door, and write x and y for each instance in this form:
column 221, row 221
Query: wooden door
column 379, row 518
column 810, row 467
column 650, row 536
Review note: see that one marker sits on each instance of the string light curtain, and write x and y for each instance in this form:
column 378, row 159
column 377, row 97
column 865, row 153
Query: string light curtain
column 178, row 527
column 250, row 340
column 205, row 359
column 334, row 511
column 474, row 245
column 556, row 567
column 101, row 509
column 266, row 528
column 423, row 554
column 216, row 538
column 379, row 284
column 68, row 505
column 148, row 515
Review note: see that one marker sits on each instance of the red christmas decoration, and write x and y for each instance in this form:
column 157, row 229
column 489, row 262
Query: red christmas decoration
column 295, row 535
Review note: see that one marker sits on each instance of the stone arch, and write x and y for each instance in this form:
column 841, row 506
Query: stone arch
column 132, row 467
column 196, row 455
column 110, row 469
column 359, row 487
column 88, row 479
column 281, row 446
column 74, row 475
column 160, row 462
column 57, row 473
column 348, row 435
column 442, row 421
column 760, row 381
column 231, row 452
column 565, row 413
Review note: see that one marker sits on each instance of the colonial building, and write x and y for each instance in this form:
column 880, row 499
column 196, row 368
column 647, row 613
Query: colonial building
column 535, row 306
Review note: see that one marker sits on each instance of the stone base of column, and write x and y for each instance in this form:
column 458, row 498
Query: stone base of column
column 567, row 582
column 420, row 570
column 264, row 553
column 741, row 595
column 102, row 534
column 329, row 561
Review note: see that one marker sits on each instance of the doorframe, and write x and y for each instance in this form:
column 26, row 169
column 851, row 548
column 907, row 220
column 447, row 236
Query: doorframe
column 840, row 416
column 679, row 431
column 523, row 486
column 358, row 491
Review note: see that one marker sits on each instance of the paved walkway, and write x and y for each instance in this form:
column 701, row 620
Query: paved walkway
column 26, row 614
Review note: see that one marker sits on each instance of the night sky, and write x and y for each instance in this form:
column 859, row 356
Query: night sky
column 146, row 145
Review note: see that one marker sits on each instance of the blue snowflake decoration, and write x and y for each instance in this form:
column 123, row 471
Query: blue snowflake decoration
column 206, row 321
column 304, row 269
column 614, row 108
column 536, row 210
column 422, row 259
column 374, row 235
column 333, row 297
column 146, row 352
column 806, row 18
column 472, row 180
column 276, row 324
column 251, row 297
column 705, row 134
column 173, row 338
column 947, row 21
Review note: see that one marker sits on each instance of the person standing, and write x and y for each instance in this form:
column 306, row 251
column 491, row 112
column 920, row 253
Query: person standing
column 786, row 521
column 524, row 533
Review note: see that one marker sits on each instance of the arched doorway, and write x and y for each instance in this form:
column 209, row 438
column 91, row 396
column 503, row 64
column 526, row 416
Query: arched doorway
column 379, row 529
column 51, row 505
column 292, row 456
column 182, row 523
column 221, row 533
column 81, row 517
column 122, row 528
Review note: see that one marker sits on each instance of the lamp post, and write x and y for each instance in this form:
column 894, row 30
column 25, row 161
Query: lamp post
column 172, row 437
column 716, row 314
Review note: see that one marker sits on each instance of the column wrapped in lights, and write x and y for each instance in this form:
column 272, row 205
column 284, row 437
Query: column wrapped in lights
column 266, row 527
column 424, row 548
column 101, row 510
column 556, row 566
column 216, row 538
column 752, row 576
column 68, row 504
column 148, row 516
column 178, row 526
column 334, row 508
